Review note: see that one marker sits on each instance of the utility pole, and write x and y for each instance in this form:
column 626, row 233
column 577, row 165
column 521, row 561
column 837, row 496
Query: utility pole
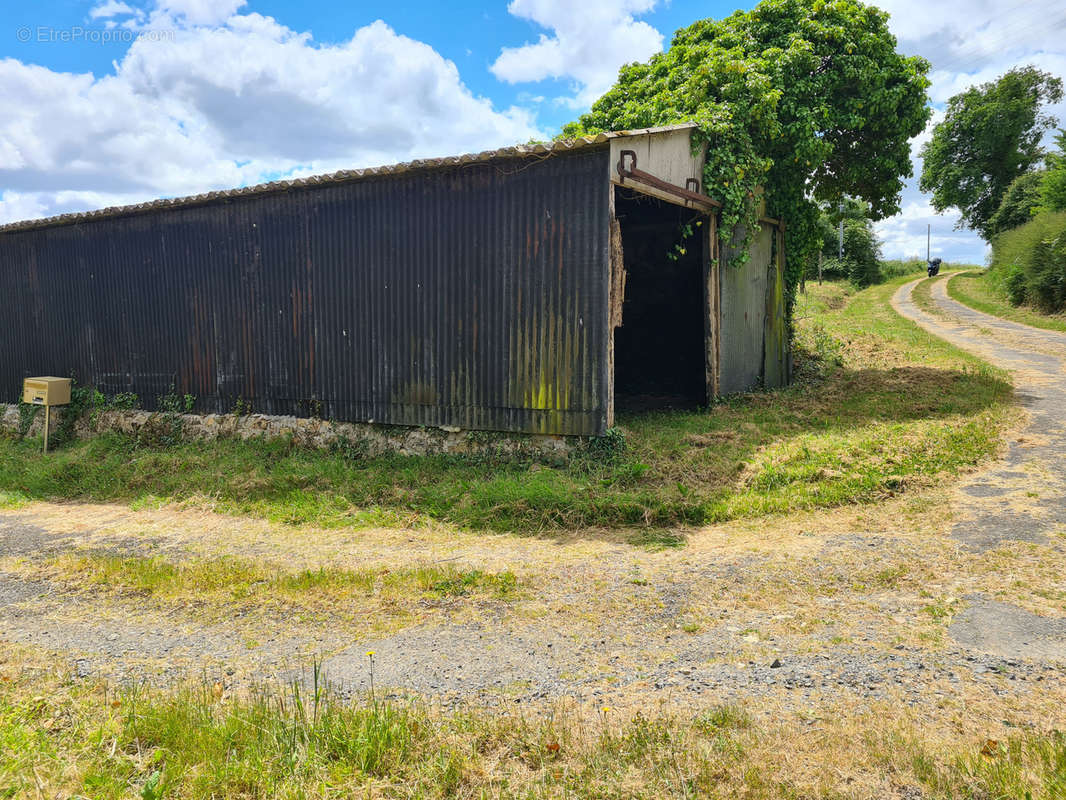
column 928, row 234
column 840, row 254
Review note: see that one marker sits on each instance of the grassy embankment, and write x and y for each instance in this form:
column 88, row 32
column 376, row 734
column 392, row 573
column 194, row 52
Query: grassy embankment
column 879, row 406
column 1026, row 277
column 976, row 290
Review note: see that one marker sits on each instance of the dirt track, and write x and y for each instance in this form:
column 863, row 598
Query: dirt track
column 1024, row 496
column 787, row 613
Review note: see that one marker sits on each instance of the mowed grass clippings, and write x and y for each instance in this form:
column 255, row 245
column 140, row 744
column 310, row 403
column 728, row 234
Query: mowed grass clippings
column 242, row 578
column 215, row 588
column 975, row 290
column 879, row 406
column 65, row 738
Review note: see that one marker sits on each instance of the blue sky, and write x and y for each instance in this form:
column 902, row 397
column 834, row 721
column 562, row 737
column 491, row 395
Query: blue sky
column 107, row 102
column 471, row 34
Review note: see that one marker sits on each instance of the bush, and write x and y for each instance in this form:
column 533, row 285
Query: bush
column 862, row 253
column 895, row 268
column 833, row 269
column 1046, row 284
column 1029, row 263
column 1014, row 283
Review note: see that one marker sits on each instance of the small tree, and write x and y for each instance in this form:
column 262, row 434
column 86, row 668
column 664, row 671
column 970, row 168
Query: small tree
column 861, row 249
column 989, row 136
column 862, row 253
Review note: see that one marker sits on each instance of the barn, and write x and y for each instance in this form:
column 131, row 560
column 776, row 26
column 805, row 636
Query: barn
column 538, row 288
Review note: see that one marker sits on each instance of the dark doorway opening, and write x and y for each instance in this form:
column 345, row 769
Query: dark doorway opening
column 659, row 350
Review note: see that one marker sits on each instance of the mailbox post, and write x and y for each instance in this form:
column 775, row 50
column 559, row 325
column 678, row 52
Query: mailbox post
column 47, row 392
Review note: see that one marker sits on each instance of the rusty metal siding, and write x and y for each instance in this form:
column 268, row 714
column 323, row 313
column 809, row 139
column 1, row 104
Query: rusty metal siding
column 744, row 301
column 472, row 296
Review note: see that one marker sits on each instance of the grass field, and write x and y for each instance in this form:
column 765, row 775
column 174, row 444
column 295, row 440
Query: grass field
column 878, row 406
column 59, row 738
column 974, row 290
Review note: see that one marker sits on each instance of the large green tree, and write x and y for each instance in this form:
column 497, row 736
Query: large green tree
column 808, row 100
column 989, row 136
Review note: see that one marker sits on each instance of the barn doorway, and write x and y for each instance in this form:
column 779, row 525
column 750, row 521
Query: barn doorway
column 659, row 350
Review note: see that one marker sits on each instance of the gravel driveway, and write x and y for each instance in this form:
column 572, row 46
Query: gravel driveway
column 1024, row 496
column 787, row 612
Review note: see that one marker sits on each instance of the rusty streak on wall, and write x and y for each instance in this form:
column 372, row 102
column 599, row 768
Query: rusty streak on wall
column 473, row 296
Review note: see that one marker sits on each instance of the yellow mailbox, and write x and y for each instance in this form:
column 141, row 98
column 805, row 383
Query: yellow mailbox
column 46, row 391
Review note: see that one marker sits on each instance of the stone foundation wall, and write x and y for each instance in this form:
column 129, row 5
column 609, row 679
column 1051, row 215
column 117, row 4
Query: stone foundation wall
column 361, row 438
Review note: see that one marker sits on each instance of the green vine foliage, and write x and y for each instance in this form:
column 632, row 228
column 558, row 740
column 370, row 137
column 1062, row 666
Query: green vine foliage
column 27, row 414
column 84, row 400
column 802, row 101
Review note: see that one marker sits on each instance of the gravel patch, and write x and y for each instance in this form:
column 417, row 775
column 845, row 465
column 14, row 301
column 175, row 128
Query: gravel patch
column 20, row 538
column 1007, row 631
column 984, row 490
column 463, row 661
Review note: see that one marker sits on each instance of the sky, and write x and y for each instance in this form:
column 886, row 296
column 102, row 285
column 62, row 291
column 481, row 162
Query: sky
column 110, row 102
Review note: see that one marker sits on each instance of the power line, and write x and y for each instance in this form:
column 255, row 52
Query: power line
column 1014, row 29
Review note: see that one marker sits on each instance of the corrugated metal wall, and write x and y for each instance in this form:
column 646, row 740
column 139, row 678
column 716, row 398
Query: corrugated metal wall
column 752, row 314
column 473, row 297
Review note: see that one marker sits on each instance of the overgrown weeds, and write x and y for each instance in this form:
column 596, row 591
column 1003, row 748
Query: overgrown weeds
column 73, row 738
column 1028, row 264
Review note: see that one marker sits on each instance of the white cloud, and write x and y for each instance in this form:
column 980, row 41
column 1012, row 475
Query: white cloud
column 194, row 12
column 966, row 47
column 904, row 235
column 15, row 206
column 590, row 42
column 228, row 105
column 112, row 8
column 967, row 39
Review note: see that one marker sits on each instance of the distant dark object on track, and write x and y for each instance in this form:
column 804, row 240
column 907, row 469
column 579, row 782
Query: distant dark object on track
column 934, row 267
